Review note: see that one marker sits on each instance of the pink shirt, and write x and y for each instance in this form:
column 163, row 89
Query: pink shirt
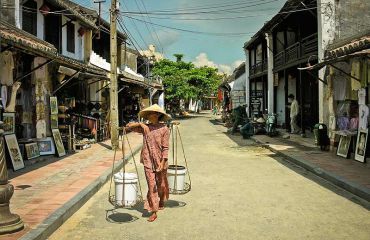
column 155, row 145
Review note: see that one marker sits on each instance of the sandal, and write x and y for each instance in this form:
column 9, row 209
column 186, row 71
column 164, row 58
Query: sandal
column 152, row 218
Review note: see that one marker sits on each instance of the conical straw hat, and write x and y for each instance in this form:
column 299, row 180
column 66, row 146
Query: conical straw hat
column 154, row 108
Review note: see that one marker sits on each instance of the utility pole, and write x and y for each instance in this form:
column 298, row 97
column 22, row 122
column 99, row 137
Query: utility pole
column 113, row 75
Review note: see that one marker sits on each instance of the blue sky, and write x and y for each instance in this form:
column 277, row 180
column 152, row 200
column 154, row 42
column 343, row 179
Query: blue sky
column 224, row 52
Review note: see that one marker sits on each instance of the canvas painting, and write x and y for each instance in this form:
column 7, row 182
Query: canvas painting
column 14, row 152
column 361, row 145
column 58, row 142
column 54, row 121
column 343, row 147
column 9, row 122
column 32, row 150
column 46, row 146
column 53, row 105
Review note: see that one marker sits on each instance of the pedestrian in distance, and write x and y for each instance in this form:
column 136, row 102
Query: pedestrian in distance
column 154, row 156
column 294, row 110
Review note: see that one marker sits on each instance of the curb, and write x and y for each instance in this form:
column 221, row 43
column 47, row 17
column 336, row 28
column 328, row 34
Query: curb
column 354, row 188
column 57, row 218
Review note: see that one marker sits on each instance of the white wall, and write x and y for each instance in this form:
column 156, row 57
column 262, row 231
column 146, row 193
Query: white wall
column 326, row 34
column 280, row 104
column 17, row 14
column 247, row 90
column 40, row 21
column 79, row 41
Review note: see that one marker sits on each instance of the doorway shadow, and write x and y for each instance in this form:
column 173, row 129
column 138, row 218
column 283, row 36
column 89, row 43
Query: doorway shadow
column 113, row 216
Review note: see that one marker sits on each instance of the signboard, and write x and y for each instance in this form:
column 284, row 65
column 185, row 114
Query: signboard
column 257, row 93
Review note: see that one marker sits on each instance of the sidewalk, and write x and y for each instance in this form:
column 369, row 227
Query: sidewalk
column 348, row 174
column 47, row 194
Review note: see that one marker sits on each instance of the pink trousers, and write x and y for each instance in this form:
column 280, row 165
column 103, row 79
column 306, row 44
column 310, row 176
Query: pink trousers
column 158, row 191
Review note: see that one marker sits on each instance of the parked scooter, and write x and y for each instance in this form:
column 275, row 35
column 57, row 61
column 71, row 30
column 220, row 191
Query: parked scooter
column 271, row 125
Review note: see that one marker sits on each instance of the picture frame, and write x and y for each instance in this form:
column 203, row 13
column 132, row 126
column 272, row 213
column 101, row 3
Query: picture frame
column 53, row 121
column 32, row 150
column 9, row 123
column 360, row 153
column 14, row 151
column 343, row 147
column 46, row 146
column 53, row 105
column 58, row 142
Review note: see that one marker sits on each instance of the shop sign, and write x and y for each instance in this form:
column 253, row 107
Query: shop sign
column 257, row 93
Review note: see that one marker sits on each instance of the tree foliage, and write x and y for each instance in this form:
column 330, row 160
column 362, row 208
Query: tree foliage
column 182, row 80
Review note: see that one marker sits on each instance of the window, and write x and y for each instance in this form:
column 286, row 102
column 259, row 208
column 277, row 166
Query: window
column 70, row 37
column 29, row 17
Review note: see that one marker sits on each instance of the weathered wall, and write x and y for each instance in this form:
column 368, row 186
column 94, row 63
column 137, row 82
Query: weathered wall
column 352, row 18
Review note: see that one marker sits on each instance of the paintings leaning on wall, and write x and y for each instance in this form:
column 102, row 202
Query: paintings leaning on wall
column 343, row 147
column 361, row 145
column 58, row 143
column 46, row 146
column 53, row 105
column 9, row 123
column 32, row 150
column 14, row 152
column 54, row 121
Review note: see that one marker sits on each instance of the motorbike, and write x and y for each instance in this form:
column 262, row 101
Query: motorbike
column 271, row 125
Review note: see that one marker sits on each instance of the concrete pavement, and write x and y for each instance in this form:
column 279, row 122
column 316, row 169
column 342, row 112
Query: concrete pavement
column 47, row 193
column 240, row 191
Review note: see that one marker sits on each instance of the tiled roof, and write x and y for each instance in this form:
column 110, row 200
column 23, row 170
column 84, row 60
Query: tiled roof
column 353, row 46
column 85, row 15
column 288, row 6
column 24, row 40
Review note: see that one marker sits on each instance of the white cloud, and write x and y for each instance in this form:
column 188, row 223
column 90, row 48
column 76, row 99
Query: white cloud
column 166, row 38
column 202, row 60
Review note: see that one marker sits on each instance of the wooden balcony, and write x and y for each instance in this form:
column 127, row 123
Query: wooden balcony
column 258, row 68
column 297, row 52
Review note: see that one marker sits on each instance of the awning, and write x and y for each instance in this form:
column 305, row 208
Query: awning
column 336, row 59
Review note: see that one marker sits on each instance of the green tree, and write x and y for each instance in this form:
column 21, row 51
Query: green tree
column 182, row 80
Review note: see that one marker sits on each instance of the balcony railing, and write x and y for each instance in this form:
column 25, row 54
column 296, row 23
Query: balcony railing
column 258, row 67
column 297, row 51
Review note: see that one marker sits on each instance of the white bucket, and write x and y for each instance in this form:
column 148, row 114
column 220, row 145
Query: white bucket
column 126, row 188
column 180, row 180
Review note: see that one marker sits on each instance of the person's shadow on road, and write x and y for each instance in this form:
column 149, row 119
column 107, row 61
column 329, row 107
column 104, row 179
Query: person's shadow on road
column 168, row 204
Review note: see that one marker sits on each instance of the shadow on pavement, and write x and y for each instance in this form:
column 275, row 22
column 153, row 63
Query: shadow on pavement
column 169, row 204
column 113, row 216
column 320, row 181
column 105, row 145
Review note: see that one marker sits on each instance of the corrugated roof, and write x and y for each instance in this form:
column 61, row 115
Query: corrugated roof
column 355, row 45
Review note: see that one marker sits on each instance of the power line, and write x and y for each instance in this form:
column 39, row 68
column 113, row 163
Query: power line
column 192, row 31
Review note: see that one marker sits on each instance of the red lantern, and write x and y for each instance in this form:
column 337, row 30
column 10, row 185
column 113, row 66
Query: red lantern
column 44, row 9
column 81, row 31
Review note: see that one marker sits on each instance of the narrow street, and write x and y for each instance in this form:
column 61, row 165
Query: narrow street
column 239, row 191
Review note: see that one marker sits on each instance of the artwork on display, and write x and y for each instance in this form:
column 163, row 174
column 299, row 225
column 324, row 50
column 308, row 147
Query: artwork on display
column 53, row 105
column 361, row 145
column 14, row 151
column 32, row 150
column 58, row 143
column 54, row 121
column 9, row 122
column 46, row 146
column 343, row 147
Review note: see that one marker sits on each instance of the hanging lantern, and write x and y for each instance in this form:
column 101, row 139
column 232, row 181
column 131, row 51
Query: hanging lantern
column 44, row 9
column 81, row 31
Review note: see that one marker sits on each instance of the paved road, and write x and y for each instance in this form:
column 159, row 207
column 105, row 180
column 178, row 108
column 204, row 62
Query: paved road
column 240, row 191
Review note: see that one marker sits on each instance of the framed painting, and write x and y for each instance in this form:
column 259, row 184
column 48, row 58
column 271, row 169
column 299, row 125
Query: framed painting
column 46, row 146
column 32, row 150
column 53, row 105
column 14, row 152
column 361, row 145
column 343, row 147
column 54, row 121
column 9, row 122
column 58, row 142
